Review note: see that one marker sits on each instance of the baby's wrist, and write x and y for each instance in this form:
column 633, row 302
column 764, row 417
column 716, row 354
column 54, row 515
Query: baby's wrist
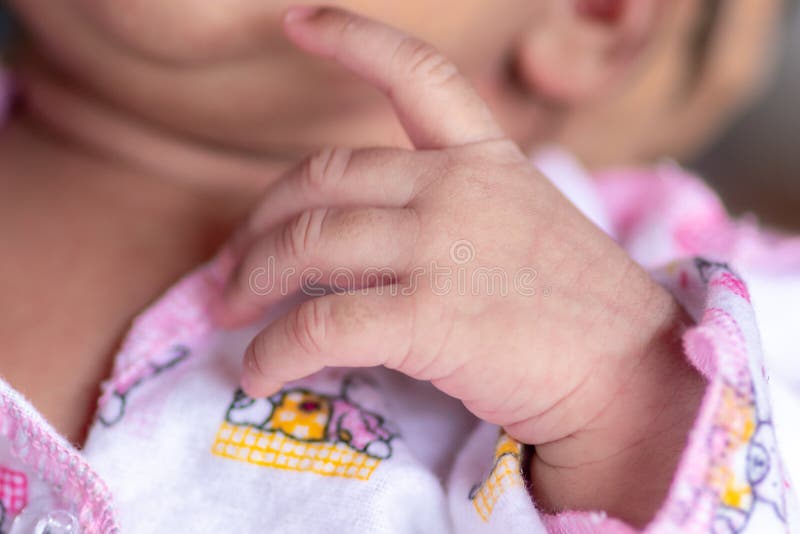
column 624, row 460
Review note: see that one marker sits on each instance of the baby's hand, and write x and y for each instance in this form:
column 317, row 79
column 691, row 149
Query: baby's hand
column 536, row 320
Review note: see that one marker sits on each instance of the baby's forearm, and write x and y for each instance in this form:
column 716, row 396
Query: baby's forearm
column 624, row 461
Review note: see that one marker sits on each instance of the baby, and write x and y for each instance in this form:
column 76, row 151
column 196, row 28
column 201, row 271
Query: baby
column 407, row 325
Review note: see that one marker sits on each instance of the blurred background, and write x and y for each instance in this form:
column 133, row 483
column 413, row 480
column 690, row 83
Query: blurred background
column 755, row 165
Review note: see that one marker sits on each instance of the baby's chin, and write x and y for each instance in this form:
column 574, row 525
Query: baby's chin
column 189, row 31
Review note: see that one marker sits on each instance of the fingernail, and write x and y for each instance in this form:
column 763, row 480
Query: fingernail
column 299, row 13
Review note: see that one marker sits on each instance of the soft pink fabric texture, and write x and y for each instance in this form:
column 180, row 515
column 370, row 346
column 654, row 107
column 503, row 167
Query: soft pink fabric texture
column 665, row 212
column 730, row 478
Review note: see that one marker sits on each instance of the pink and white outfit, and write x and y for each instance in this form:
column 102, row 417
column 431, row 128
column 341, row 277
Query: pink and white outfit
column 176, row 447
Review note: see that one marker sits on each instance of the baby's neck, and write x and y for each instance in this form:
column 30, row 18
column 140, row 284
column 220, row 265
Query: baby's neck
column 70, row 110
column 101, row 130
column 92, row 244
column 101, row 213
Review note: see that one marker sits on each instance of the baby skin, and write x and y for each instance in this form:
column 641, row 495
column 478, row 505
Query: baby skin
column 592, row 375
column 146, row 136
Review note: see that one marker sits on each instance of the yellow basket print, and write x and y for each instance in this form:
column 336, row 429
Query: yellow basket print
column 273, row 449
column 505, row 474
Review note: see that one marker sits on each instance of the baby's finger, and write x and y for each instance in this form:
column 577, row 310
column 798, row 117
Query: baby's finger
column 436, row 104
column 342, row 177
column 341, row 249
column 362, row 330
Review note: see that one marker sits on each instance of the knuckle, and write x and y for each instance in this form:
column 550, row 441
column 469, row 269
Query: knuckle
column 307, row 326
column 425, row 62
column 325, row 169
column 301, row 235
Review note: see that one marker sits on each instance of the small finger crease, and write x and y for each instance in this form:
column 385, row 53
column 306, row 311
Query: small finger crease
column 308, row 328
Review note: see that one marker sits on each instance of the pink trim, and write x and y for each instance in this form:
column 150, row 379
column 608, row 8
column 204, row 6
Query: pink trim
column 38, row 446
column 181, row 316
column 717, row 347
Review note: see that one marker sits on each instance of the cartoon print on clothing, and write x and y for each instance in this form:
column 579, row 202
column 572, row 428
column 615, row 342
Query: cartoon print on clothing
column 302, row 430
column 506, row 473
column 720, row 274
column 744, row 472
column 113, row 410
column 13, row 494
column 706, row 268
